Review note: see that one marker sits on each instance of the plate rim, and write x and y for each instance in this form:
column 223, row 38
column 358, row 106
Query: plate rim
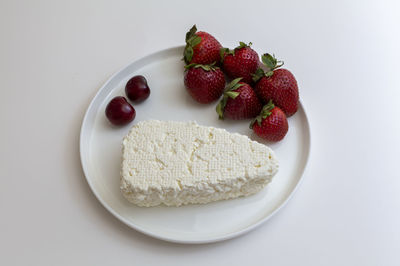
column 170, row 239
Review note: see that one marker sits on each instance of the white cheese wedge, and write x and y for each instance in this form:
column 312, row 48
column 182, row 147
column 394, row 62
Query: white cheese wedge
column 176, row 163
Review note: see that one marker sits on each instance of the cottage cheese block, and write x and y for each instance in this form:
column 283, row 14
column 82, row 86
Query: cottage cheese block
column 176, row 163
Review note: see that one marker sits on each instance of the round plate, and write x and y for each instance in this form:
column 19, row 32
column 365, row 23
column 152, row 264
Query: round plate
column 100, row 150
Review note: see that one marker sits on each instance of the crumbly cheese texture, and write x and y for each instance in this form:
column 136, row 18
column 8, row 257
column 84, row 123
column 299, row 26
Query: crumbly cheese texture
column 177, row 163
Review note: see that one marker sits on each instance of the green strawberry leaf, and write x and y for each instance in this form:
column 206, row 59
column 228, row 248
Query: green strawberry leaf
column 257, row 119
column 233, row 85
column 191, row 41
column 191, row 32
column 188, row 54
column 222, row 53
column 252, row 123
column 190, row 65
column 259, row 74
column 195, row 40
column 237, row 86
column 204, row 67
column 265, row 112
column 229, row 92
column 220, row 107
column 243, row 45
column 232, row 94
column 270, row 61
column 210, row 67
column 269, row 73
column 225, row 51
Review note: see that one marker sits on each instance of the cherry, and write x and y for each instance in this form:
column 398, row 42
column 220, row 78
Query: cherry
column 119, row 111
column 136, row 89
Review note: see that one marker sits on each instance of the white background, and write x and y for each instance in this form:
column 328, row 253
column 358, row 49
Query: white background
column 55, row 55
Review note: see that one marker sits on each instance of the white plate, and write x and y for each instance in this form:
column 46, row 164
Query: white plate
column 100, row 149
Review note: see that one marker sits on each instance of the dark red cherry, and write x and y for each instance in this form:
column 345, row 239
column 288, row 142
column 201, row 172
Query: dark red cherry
column 119, row 112
column 136, row 89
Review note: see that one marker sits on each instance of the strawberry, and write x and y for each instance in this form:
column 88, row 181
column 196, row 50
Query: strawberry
column 201, row 48
column 205, row 83
column 241, row 62
column 278, row 85
column 271, row 124
column 239, row 101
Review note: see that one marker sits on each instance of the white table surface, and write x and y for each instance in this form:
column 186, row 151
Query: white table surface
column 55, row 55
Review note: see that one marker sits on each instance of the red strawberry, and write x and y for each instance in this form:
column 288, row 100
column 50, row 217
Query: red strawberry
column 239, row 101
column 271, row 124
column 201, row 48
column 278, row 85
column 241, row 62
column 205, row 83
